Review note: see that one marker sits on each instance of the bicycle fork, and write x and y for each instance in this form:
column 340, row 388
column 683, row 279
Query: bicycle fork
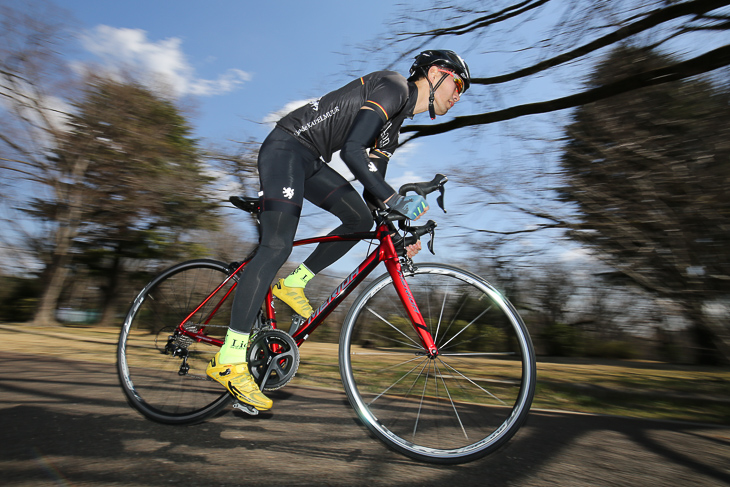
column 414, row 313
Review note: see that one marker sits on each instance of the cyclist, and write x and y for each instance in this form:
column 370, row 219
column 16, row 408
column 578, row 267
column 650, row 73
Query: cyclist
column 361, row 120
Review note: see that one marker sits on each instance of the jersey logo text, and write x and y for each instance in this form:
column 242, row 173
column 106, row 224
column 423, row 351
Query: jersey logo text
column 317, row 120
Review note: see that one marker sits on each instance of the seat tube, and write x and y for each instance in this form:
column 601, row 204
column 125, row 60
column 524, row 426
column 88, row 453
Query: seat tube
column 269, row 311
column 406, row 297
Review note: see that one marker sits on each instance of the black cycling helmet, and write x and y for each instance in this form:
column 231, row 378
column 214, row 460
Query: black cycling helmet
column 444, row 59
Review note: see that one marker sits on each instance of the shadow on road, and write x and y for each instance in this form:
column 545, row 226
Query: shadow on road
column 66, row 423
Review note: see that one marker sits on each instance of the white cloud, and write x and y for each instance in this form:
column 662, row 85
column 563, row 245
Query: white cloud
column 274, row 117
column 407, row 177
column 46, row 112
column 404, row 154
column 224, row 186
column 57, row 111
column 130, row 48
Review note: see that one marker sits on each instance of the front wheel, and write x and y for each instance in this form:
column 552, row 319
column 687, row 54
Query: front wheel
column 453, row 408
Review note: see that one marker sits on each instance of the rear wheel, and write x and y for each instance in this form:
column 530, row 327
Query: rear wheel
column 455, row 407
column 163, row 372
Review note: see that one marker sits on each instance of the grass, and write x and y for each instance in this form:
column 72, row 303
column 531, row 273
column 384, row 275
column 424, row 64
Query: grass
column 622, row 387
column 637, row 389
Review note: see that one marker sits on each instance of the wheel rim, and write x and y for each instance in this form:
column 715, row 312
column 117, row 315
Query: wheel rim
column 461, row 404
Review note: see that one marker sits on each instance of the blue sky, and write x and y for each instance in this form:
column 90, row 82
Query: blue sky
column 288, row 50
column 239, row 63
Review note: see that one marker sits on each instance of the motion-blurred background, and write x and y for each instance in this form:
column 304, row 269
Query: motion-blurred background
column 588, row 163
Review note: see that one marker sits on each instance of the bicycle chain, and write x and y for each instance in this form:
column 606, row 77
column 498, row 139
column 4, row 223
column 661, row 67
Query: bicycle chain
column 194, row 327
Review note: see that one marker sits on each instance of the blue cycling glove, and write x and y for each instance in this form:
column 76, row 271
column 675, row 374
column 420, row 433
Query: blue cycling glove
column 411, row 206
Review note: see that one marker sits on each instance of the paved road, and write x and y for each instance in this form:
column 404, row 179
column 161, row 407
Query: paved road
column 66, row 422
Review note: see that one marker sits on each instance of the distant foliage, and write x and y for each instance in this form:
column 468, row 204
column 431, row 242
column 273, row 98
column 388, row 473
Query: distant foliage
column 648, row 173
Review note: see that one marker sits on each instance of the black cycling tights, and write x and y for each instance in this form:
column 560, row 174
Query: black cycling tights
column 289, row 173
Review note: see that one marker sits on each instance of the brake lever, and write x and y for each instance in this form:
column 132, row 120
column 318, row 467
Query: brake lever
column 440, row 198
column 432, row 233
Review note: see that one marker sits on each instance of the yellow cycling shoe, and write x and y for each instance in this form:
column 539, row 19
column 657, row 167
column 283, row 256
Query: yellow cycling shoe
column 294, row 298
column 239, row 382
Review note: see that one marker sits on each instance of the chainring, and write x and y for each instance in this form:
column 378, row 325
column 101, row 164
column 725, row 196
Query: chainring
column 273, row 359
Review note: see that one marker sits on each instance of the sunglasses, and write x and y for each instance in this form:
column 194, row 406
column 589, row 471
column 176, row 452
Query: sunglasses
column 457, row 79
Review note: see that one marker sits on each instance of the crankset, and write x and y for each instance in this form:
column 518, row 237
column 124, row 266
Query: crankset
column 273, row 359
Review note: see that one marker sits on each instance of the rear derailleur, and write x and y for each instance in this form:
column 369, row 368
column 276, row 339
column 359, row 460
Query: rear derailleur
column 176, row 346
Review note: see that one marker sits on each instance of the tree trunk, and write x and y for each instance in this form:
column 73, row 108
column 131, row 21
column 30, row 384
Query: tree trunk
column 46, row 311
column 712, row 342
column 111, row 294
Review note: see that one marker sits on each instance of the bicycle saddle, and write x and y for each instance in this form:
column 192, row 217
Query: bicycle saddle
column 245, row 203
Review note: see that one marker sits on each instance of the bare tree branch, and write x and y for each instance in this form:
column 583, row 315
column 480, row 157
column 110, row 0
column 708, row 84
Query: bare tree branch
column 653, row 19
column 478, row 23
column 701, row 64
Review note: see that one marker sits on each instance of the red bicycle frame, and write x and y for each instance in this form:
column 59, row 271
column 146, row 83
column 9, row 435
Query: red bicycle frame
column 385, row 252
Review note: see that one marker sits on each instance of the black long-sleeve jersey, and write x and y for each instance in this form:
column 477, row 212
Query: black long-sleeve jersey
column 324, row 124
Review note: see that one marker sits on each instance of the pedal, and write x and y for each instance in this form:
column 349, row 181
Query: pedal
column 245, row 408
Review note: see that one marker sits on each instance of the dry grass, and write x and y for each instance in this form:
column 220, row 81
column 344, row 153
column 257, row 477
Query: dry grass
column 625, row 388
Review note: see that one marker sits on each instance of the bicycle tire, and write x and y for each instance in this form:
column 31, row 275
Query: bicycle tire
column 455, row 408
column 150, row 371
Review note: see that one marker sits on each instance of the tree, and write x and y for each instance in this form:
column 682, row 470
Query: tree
column 132, row 186
column 529, row 58
column 34, row 83
column 112, row 171
column 648, row 173
column 578, row 33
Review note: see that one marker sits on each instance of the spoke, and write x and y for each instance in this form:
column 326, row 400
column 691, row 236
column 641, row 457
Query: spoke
column 477, row 354
column 441, row 315
column 402, row 363
column 420, row 404
column 451, row 400
column 416, row 345
column 387, row 352
column 456, row 345
column 405, row 344
column 453, row 319
column 467, row 326
column 510, row 382
column 395, row 384
column 472, row 382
